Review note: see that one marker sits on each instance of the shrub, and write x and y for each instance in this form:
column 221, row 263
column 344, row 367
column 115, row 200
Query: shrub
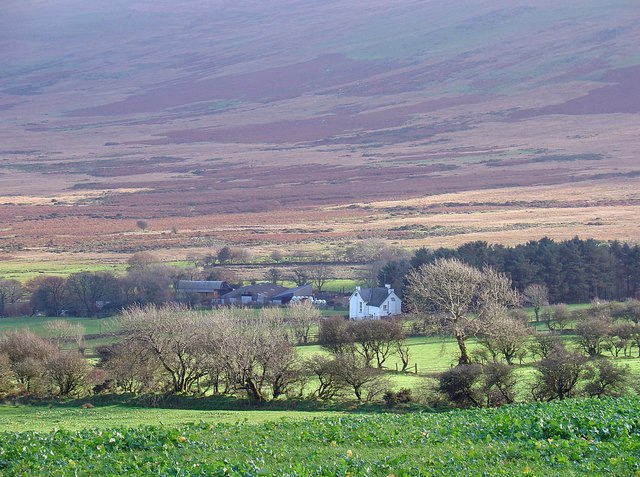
column 499, row 384
column 558, row 375
column 543, row 344
column 606, row 378
column 392, row 398
column 462, row 385
column 67, row 371
column 591, row 334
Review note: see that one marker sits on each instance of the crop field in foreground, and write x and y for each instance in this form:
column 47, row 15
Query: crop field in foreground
column 597, row 437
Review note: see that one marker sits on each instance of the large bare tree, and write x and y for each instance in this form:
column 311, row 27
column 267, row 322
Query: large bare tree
column 459, row 298
column 173, row 335
column 255, row 352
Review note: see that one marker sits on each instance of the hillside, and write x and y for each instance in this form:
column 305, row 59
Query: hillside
column 179, row 112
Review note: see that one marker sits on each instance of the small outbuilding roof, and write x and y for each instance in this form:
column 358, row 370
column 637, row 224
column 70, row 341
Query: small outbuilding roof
column 266, row 289
column 304, row 290
column 200, row 286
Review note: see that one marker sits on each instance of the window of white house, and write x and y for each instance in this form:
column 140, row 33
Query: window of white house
column 393, row 299
column 384, row 307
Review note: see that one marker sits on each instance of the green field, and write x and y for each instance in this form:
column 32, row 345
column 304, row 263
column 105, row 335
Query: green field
column 568, row 438
column 26, row 270
column 19, row 418
column 37, row 324
column 98, row 331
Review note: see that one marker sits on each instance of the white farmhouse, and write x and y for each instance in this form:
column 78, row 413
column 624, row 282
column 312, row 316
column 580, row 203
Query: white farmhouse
column 373, row 303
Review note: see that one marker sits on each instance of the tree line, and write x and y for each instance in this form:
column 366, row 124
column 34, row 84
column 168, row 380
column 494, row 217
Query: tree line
column 146, row 281
column 248, row 354
column 455, row 298
column 574, row 271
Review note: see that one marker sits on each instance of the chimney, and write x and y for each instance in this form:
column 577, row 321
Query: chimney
column 357, row 288
column 389, row 289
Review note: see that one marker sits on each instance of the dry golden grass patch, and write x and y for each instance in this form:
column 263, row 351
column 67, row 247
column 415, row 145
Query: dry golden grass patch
column 604, row 211
column 66, row 198
column 595, row 191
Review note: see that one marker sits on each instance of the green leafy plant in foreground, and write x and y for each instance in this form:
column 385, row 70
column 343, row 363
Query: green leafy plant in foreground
column 597, row 436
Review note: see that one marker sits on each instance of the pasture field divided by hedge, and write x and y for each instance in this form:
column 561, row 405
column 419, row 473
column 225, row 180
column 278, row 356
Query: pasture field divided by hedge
column 574, row 437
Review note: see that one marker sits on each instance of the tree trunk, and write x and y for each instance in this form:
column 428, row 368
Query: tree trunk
column 358, row 392
column 253, row 391
column 462, row 344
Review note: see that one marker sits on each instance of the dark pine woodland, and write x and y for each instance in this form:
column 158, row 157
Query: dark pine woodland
column 574, row 271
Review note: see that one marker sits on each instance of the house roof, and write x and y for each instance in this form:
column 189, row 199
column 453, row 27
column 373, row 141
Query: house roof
column 304, row 290
column 199, row 286
column 266, row 289
column 374, row 296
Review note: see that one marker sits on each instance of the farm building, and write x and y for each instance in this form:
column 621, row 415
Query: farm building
column 302, row 293
column 254, row 294
column 208, row 291
column 267, row 293
column 373, row 303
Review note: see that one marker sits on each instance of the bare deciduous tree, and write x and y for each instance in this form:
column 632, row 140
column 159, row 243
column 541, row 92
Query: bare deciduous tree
column 506, row 337
column 558, row 375
column 173, row 335
column 27, row 354
column 48, row 294
column 543, row 345
column 537, row 296
column 273, row 275
column 62, row 330
column 402, row 349
column 301, row 276
column 591, row 334
column 606, row 378
column 141, row 260
column 353, row 372
column 255, row 352
column 464, row 297
column 89, row 289
column 277, row 256
column 319, row 276
column 335, row 335
column 67, row 371
column 324, row 370
column 132, row 366
column 302, row 316
column 149, row 285
column 376, row 339
column 10, row 292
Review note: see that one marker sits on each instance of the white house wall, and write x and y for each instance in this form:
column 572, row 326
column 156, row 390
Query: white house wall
column 357, row 307
column 359, row 310
column 394, row 303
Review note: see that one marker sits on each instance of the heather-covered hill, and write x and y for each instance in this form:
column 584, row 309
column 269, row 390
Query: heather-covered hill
column 156, row 108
